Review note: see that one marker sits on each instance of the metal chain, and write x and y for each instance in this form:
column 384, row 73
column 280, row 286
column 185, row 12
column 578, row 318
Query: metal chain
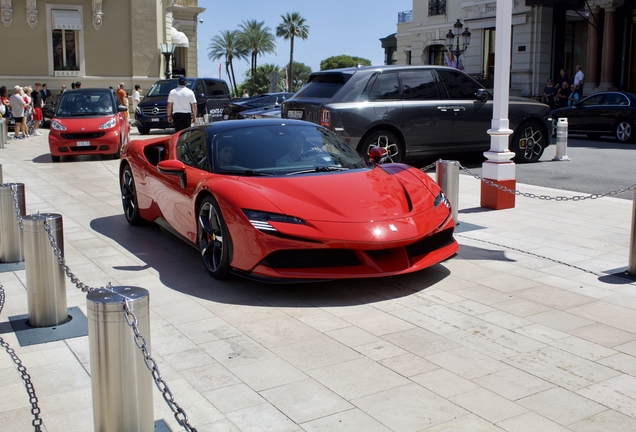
column 531, row 195
column 16, row 207
column 33, row 399
column 179, row 414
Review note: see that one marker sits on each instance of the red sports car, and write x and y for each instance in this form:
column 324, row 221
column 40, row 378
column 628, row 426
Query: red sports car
column 286, row 200
column 88, row 121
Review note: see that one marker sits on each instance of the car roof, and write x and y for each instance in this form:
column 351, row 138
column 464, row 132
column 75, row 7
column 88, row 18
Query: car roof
column 352, row 70
column 227, row 125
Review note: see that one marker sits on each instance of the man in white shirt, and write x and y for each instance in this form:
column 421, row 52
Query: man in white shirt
column 579, row 80
column 136, row 97
column 182, row 106
column 17, row 110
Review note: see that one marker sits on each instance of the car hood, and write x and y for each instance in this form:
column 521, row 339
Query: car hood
column 154, row 100
column 355, row 196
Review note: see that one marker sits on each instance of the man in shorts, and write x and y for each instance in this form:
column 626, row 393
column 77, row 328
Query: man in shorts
column 17, row 110
column 182, row 106
column 36, row 100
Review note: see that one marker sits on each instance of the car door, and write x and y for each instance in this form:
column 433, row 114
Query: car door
column 471, row 117
column 610, row 110
column 584, row 116
column 425, row 118
column 176, row 202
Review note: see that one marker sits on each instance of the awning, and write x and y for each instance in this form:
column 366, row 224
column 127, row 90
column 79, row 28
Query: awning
column 179, row 38
column 66, row 19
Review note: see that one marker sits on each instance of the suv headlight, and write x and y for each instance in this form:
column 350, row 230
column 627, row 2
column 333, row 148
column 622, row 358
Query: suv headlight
column 109, row 124
column 57, row 125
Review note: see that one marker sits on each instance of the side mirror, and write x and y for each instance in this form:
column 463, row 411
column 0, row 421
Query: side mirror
column 173, row 167
column 482, row 95
column 121, row 108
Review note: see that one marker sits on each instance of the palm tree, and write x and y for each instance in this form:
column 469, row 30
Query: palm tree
column 258, row 39
column 293, row 25
column 228, row 44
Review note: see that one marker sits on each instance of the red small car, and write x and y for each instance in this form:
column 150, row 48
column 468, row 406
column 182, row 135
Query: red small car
column 88, row 121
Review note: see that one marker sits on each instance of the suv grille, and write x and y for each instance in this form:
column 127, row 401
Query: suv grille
column 154, row 111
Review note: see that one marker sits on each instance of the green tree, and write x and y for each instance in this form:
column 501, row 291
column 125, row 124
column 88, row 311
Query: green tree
column 259, row 83
column 300, row 77
column 258, row 39
column 228, row 45
column 293, row 26
column 343, row 61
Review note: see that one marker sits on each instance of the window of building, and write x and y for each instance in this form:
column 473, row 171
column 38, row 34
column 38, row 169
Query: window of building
column 64, row 24
column 489, row 53
column 436, row 7
column 436, row 55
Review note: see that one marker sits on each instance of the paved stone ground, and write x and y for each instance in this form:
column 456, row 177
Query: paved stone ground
column 525, row 330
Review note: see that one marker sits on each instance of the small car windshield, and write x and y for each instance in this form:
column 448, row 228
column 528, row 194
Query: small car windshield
column 162, row 88
column 282, row 150
column 85, row 103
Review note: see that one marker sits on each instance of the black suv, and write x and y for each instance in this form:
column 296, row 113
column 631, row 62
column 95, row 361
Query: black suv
column 212, row 94
column 415, row 111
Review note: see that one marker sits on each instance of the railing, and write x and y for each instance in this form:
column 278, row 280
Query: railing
column 405, row 17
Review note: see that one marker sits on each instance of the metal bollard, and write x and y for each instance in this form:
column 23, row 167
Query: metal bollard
column 562, row 140
column 120, row 379
column 631, row 264
column 4, row 131
column 10, row 232
column 1, row 181
column 45, row 283
column 447, row 173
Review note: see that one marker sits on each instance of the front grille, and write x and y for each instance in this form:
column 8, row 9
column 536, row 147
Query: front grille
column 153, row 111
column 430, row 244
column 82, row 136
column 311, row 258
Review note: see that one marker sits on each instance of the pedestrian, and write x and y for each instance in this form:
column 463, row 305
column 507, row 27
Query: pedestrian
column 72, row 86
column 563, row 95
column 17, row 110
column 63, row 88
column 563, row 77
column 46, row 93
column 574, row 96
column 136, row 98
column 548, row 93
column 26, row 95
column 246, row 93
column 123, row 96
column 5, row 105
column 579, row 80
column 78, row 85
column 37, row 103
column 182, row 106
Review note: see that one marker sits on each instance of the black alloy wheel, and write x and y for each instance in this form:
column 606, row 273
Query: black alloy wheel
column 129, row 197
column 213, row 239
column 624, row 131
column 384, row 139
column 528, row 142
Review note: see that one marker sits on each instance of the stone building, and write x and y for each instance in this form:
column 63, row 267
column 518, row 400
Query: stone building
column 98, row 42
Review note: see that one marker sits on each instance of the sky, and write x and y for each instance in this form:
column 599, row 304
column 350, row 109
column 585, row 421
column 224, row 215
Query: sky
column 336, row 27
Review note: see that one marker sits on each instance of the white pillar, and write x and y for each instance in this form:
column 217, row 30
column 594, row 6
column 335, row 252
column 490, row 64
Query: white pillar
column 499, row 168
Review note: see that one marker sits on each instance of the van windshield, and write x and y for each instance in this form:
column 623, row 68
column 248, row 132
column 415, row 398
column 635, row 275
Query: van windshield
column 162, row 88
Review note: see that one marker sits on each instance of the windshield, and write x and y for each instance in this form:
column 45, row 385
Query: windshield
column 162, row 88
column 282, row 150
column 87, row 102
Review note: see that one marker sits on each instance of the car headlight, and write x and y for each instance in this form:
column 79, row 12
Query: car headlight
column 57, row 125
column 260, row 220
column 441, row 198
column 109, row 124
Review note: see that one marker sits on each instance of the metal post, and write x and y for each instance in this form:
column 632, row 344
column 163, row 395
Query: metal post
column 120, row 379
column 1, row 181
column 562, row 140
column 448, row 179
column 45, row 283
column 631, row 265
column 4, row 131
column 10, row 232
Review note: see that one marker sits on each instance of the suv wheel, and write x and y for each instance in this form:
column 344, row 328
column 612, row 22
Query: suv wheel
column 385, row 139
column 143, row 130
column 528, row 142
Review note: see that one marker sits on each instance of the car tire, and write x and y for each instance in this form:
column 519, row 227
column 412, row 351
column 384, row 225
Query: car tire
column 117, row 154
column 213, row 239
column 56, row 158
column 624, row 131
column 594, row 135
column 143, row 130
column 528, row 142
column 385, row 139
column 129, row 197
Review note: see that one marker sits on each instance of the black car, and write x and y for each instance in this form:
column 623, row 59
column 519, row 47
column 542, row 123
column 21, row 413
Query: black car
column 415, row 111
column 264, row 101
column 607, row 113
column 212, row 94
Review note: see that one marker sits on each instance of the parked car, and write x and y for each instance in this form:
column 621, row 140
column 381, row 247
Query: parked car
column 212, row 94
column 415, row 111
column 88, row 121
column 263, row 101
column 265, row 112
column 281, row 200
column 606, row 113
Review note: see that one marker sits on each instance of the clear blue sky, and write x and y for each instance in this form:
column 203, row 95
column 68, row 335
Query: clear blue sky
column 335, row 27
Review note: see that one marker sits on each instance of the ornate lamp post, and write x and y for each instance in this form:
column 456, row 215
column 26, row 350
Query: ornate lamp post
column 452, row 41
column 167, row 49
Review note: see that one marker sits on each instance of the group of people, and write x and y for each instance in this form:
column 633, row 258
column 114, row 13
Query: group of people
column 24, row 104
column 565, row 92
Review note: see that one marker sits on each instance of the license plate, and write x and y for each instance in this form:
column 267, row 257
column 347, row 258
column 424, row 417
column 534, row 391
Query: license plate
column 155, row 119
column 83, row 143
column 294, row 114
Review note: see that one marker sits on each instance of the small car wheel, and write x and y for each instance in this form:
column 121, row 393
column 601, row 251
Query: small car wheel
column 594, row 135
column 117, row 154
column 143, row 130
column 382, row 138
column 528, row 142
column 129, row 197
column 624, row 131
column 213, row 239
column 55, row 158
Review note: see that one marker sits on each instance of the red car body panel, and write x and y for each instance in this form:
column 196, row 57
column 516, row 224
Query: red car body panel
column 377, row 217
column 78, row 130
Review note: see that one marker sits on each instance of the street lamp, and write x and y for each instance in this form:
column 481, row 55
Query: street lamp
column 167, row 49
column 453, row 39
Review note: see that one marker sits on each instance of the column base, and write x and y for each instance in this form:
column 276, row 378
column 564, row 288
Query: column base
column 495, row 198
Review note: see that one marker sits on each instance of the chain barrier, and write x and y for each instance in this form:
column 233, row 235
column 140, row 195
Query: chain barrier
column 33, row 399
column 531, row 195
column 16, row 206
